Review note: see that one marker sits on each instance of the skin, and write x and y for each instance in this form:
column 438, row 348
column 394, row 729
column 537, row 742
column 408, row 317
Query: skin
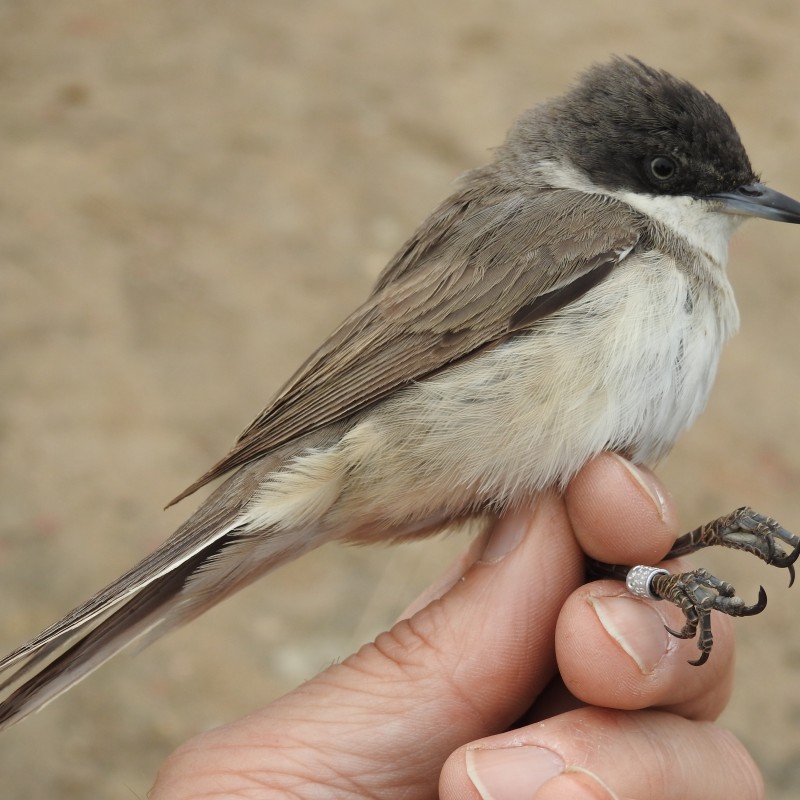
column 508, row 628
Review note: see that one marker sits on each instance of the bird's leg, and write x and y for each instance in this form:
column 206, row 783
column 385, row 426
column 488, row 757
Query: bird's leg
column 698, row 592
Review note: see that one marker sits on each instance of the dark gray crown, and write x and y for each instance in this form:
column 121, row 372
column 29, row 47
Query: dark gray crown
column 622, row 115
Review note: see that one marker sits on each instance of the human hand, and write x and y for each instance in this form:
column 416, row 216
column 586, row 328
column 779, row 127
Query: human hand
column 509, row 631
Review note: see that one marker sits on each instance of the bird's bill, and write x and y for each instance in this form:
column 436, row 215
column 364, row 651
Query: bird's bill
column 758, row 200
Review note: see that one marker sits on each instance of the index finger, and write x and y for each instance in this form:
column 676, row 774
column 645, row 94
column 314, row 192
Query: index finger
column 613, row 649
column 621, row 513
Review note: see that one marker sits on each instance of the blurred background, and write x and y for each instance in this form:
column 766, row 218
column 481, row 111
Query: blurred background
column 193, row 195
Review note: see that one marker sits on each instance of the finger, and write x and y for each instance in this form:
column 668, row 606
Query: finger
column 614, row 651
column 639, row 527
column 487, row 643
column 595, row 753
column 450, row 577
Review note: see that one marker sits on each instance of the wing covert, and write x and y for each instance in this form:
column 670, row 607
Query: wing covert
column 478, row 270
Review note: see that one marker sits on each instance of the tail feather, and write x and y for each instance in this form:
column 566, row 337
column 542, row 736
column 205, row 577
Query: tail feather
column 172, row 599
column 95, row 609
column 217, row 551
column 134, row 619
column 212, row 521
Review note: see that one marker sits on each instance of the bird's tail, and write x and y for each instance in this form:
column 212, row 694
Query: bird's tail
column 212, row 555
column 138, row 615
column 45, row 669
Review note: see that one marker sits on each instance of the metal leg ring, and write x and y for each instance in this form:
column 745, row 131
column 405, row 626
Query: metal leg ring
column 639, row 580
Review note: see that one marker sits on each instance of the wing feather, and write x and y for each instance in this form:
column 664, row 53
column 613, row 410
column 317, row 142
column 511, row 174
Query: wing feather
column 484, row 266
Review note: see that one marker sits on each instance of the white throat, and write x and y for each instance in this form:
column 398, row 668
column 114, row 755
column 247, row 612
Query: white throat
column 703, row 228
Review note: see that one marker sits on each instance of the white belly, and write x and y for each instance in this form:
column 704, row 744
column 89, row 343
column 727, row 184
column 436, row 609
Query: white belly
column 627, row 367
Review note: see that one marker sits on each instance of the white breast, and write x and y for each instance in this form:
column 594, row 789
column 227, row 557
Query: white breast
column 627, row 367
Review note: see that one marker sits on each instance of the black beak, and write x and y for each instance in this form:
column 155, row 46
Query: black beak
column 758, row 200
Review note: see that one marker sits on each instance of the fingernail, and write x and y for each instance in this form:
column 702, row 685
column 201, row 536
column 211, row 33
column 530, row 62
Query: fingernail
column 646, row 481
column 506, row 535
column 512, row 773
column 635, row 626
column 577, row 783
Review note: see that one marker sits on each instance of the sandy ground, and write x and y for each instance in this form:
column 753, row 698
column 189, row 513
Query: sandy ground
column 193, row 194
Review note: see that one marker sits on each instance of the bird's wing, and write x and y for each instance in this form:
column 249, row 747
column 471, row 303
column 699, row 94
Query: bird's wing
column 477, row 271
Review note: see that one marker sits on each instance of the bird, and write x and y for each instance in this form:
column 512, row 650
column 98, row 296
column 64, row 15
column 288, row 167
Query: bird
column 568, row 298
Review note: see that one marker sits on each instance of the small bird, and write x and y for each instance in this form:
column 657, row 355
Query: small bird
column 568, row 298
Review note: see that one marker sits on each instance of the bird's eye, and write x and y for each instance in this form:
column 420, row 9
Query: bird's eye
column 662, row 168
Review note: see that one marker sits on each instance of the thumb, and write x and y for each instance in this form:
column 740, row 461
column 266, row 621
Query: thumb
column 465, row 666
